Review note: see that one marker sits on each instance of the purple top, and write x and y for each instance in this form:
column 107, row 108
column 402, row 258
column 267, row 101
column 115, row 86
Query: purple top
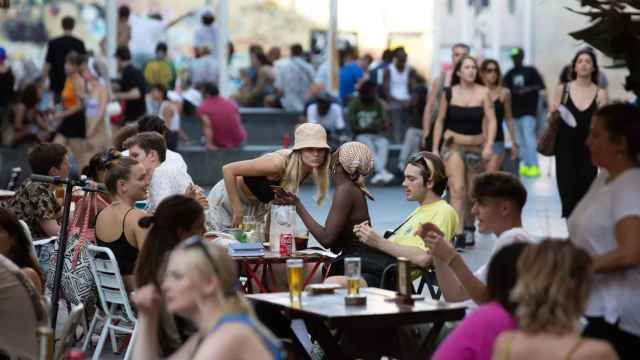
column 473, row 338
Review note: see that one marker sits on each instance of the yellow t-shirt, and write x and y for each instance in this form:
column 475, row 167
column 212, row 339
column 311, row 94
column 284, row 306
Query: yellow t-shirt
column 440, row 213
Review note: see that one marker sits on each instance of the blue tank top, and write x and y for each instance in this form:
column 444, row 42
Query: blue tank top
column 267, row 339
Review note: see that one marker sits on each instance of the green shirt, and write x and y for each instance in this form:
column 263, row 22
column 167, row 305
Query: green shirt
column 365, row 119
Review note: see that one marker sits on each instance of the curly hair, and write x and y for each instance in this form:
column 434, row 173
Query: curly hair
column 554, row 278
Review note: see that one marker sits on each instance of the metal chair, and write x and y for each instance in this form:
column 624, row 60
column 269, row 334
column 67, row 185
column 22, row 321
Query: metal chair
column 115, row 309
column 427, row 278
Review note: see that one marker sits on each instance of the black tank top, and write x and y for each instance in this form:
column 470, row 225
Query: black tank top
column 462, row 119
column 125, row 253
column 499, row 109
column 577, row 136
column 260, row 187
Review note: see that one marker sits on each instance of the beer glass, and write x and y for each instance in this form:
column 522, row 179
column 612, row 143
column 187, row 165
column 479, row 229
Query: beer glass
column 352, row 267
column 294, row 274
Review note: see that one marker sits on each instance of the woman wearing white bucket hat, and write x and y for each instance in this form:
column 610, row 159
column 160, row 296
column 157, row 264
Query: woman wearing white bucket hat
column 247, row 185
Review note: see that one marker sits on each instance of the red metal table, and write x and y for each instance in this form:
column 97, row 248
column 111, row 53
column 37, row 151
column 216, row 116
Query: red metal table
column 252, row 266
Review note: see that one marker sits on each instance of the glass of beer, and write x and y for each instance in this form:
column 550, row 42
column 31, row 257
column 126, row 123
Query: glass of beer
column 352, row 266
column 294, row 274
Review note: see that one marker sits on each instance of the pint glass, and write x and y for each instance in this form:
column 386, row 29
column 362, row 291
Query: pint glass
column 294, row 275
column 352, row 272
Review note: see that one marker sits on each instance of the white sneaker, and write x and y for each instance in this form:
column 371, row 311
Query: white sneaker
column 377, row 178
column 387, row 177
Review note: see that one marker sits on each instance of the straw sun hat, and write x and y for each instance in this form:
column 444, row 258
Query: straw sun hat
column 310, row 135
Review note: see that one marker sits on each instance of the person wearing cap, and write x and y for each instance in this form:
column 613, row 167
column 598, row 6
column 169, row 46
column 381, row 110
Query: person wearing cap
column 206, row 35
column 248, row 186
column 221, row 120
column 350, row 166
column 525, row 84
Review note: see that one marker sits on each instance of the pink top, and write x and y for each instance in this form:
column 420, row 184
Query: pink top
column 224, row 118
column 473, row 338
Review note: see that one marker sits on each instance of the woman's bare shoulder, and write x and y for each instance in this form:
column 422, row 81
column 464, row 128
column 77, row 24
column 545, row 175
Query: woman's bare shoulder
column 593, row 349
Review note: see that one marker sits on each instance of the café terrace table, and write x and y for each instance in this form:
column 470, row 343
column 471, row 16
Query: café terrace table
column 253, row 266
column 323, row 314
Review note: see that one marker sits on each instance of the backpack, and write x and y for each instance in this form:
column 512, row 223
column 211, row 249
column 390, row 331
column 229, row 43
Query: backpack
column 77, row 283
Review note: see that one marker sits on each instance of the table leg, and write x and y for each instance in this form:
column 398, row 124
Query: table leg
column 310, row 276
column 252, row 276
column 328, row 342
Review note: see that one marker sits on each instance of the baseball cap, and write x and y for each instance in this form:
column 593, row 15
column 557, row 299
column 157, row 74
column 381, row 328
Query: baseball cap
column 516, row 51
column 207, row 13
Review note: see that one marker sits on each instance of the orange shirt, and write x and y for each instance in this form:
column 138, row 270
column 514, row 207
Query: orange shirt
column 69, row 98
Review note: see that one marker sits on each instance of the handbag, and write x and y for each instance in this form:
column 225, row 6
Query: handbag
column 77, row 283
column 547, row 142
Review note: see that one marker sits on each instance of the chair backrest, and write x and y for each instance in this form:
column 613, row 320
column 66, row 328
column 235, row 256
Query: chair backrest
column 22, row 310
column 111, row 290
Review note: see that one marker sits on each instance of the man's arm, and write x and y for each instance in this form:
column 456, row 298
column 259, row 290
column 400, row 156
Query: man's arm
column 207, row 131
column 133, row 94
column 416, row 256
column 454, row 276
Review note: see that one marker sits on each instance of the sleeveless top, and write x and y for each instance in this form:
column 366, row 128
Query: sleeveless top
column 125, row 253
column 499, row 109
column 267, row 339
column 399, row 83
column 507, row 351
column 92, row 106
column 466, row 120
column 571, row 137
column 260, row 187
column 72, row 126
column 175, row 121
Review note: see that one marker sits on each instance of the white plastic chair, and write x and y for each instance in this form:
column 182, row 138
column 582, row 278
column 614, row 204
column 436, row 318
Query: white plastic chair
column 116, row 311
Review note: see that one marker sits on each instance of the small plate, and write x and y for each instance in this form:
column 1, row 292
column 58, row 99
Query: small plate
column 323, row 288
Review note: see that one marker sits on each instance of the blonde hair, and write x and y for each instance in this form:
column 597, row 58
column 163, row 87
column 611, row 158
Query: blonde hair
column 230, row 298
column 554, row 278
column 292, row 174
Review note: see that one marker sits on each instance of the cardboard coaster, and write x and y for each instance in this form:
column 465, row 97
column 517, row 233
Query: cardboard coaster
column 356, row 300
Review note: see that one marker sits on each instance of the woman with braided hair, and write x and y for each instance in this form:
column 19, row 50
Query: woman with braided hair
column 350, row 165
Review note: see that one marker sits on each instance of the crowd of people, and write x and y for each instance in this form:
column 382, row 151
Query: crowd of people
column 525, row 300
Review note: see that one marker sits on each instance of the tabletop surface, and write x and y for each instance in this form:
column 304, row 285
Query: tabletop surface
column 333, row 306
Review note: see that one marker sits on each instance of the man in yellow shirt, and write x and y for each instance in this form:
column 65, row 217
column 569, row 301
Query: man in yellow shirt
column 424, row 182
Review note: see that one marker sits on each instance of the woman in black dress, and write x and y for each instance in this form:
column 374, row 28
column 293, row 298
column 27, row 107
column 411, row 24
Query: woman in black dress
column 582, row 97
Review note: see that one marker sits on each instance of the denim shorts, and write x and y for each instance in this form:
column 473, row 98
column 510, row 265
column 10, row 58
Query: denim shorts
column 498, row 148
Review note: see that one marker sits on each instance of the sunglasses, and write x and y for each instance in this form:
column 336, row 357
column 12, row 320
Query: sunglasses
column 419, row 157
column 196, row 241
